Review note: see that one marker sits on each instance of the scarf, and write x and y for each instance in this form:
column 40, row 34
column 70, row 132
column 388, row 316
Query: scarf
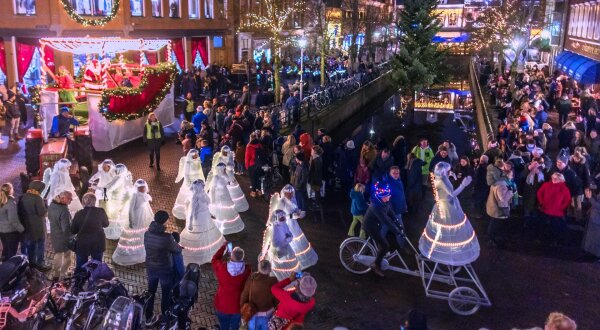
column 33, row 192
column 235, row 268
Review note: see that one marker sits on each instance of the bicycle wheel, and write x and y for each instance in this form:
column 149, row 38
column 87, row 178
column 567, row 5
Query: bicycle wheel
column 351, row 249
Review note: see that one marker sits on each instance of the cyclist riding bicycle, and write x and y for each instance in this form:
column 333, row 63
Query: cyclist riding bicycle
column 381, row 220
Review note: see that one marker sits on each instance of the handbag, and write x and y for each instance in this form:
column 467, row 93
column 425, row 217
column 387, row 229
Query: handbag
column 278, row 323
column 248, row 309
column 72, row 243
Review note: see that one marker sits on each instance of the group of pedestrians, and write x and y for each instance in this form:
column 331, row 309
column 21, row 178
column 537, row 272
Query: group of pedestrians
column 13, row 112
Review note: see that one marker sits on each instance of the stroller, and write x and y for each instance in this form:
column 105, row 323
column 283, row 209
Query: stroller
column 184, row 296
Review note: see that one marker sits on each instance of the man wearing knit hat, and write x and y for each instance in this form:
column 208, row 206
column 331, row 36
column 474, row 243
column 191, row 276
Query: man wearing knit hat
column 293, row 305
column 159, row 246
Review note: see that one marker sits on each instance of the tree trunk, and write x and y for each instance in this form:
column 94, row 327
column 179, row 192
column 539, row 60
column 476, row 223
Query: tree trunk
column 276, row 76
column 323, row 64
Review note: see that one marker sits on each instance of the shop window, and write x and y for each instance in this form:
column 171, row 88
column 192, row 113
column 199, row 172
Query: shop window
column 592, row 21
column 361, row 15
column 348, row 14
column 137, row 8
column 24, row 7
column 597, row 23
column 92, row 7
column 221, row 9
column 194, row 8
column 157, row 8
column 174, row 9
column 218, row 42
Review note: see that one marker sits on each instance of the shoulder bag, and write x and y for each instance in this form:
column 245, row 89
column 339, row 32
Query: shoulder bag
column 72, row 243
column 248, row 309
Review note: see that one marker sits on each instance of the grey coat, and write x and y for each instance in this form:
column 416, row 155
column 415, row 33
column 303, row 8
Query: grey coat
column 32, row 215
column 60, row 226
column 9, row 218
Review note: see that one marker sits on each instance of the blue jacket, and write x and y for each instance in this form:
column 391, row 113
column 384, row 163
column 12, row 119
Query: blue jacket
column 359, row 204
column 61, row 125
column 398, row 199
column 197, row 120
column 204, row 153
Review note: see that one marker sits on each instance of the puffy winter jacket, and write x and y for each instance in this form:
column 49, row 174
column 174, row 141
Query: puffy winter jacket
column 554, row 198
column 159, row 245
column 253, row 148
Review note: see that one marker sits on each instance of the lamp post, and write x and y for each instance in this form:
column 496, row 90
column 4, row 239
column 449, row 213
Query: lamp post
column 302, row 44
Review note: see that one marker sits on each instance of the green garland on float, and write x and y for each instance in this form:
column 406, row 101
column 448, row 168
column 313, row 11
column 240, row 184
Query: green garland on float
column 90, row 21
column 162, row 68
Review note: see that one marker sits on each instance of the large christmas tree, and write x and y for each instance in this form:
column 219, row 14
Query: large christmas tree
column 419, row 63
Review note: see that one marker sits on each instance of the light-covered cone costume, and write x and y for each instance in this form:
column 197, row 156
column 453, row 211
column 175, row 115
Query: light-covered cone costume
column 130, row 249
column 221, row 204
column 58, row 180
column 286, row 201
column 225, row 156
column 201, row 238
column 100, row 181
column 276, row 246
column 119, row 190
column 448, row 237
column 190, row 170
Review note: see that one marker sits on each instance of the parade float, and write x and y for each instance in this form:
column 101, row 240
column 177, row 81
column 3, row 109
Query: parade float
column 113, row 97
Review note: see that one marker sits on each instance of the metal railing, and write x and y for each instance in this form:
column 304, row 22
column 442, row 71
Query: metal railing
column 485, row 124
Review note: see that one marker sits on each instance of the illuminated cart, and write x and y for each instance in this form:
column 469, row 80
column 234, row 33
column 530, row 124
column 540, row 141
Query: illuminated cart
column 459, row 285
column 113, row 97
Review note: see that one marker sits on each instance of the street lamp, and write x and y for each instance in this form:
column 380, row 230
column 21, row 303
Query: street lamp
column 302, row 44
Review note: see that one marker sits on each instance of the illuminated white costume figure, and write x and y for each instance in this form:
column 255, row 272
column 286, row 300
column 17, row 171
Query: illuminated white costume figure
column 226, row 157
column 58, row 180
column 286, row 201
column 448, row 237
column 190, row 170
column 201, row 238
column 120, row 190
column 100, row 181
column 221, row 204
column 130, row 249
column 276, row 246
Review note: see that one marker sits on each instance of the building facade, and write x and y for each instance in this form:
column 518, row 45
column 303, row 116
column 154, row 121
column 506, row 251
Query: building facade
column 201, row 30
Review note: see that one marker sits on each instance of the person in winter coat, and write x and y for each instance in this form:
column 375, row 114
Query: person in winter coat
column 305, row 141
column 295, row 304
column 381, row 165
column 257, row 291
column 346, row 160
column 591, row 238
column 32, row 211
column 159, row 246
column 328, row 159
column 566, row 135
column 231, row 274
column 235, row 133
column 379, row 220
column 399, row 151
column 88, row 225
column 299, row 180
column 580, row 167
column 532, row 179
column 362, row 173
column 368, row 152
column 498, row 208
column 254, row 159
column 60, row 232
column 153, row 137
column 240, row 158
column 451, row 148
column 554, row 198
column 315, row 174
column 481, row 189
column 358, row 208
column 414, row 182
column 288, row 153
column 424, row 153
column 10, row 225
column 440, row 156
column 398, row 199
column 564, row 107
column 573, row 182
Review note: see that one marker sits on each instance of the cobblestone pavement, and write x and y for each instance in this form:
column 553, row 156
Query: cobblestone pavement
column 524, row 282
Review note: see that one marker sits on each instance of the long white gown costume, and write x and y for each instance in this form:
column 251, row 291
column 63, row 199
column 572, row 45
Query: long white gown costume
column 58, row 180
column 120, row 190
column 448, row 238
column 226, row 157
column 276, row 247
column 221, row 204
column 130, row 249
column 100, row 181
column 200, row 238
column 190, row 170
column 302, row 248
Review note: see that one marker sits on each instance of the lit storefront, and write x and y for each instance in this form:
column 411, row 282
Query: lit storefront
column 580, row 59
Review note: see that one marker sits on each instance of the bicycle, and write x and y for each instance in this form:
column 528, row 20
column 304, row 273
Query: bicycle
column 90, row 307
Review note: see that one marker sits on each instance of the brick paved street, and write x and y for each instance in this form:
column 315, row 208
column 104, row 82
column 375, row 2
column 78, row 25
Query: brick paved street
column 524, row 282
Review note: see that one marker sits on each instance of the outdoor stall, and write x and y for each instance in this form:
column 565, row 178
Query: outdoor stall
column 113, row 98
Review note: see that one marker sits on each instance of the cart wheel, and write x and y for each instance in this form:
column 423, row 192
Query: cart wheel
column 349, row 252
column 447, row 270
column 464, row 301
